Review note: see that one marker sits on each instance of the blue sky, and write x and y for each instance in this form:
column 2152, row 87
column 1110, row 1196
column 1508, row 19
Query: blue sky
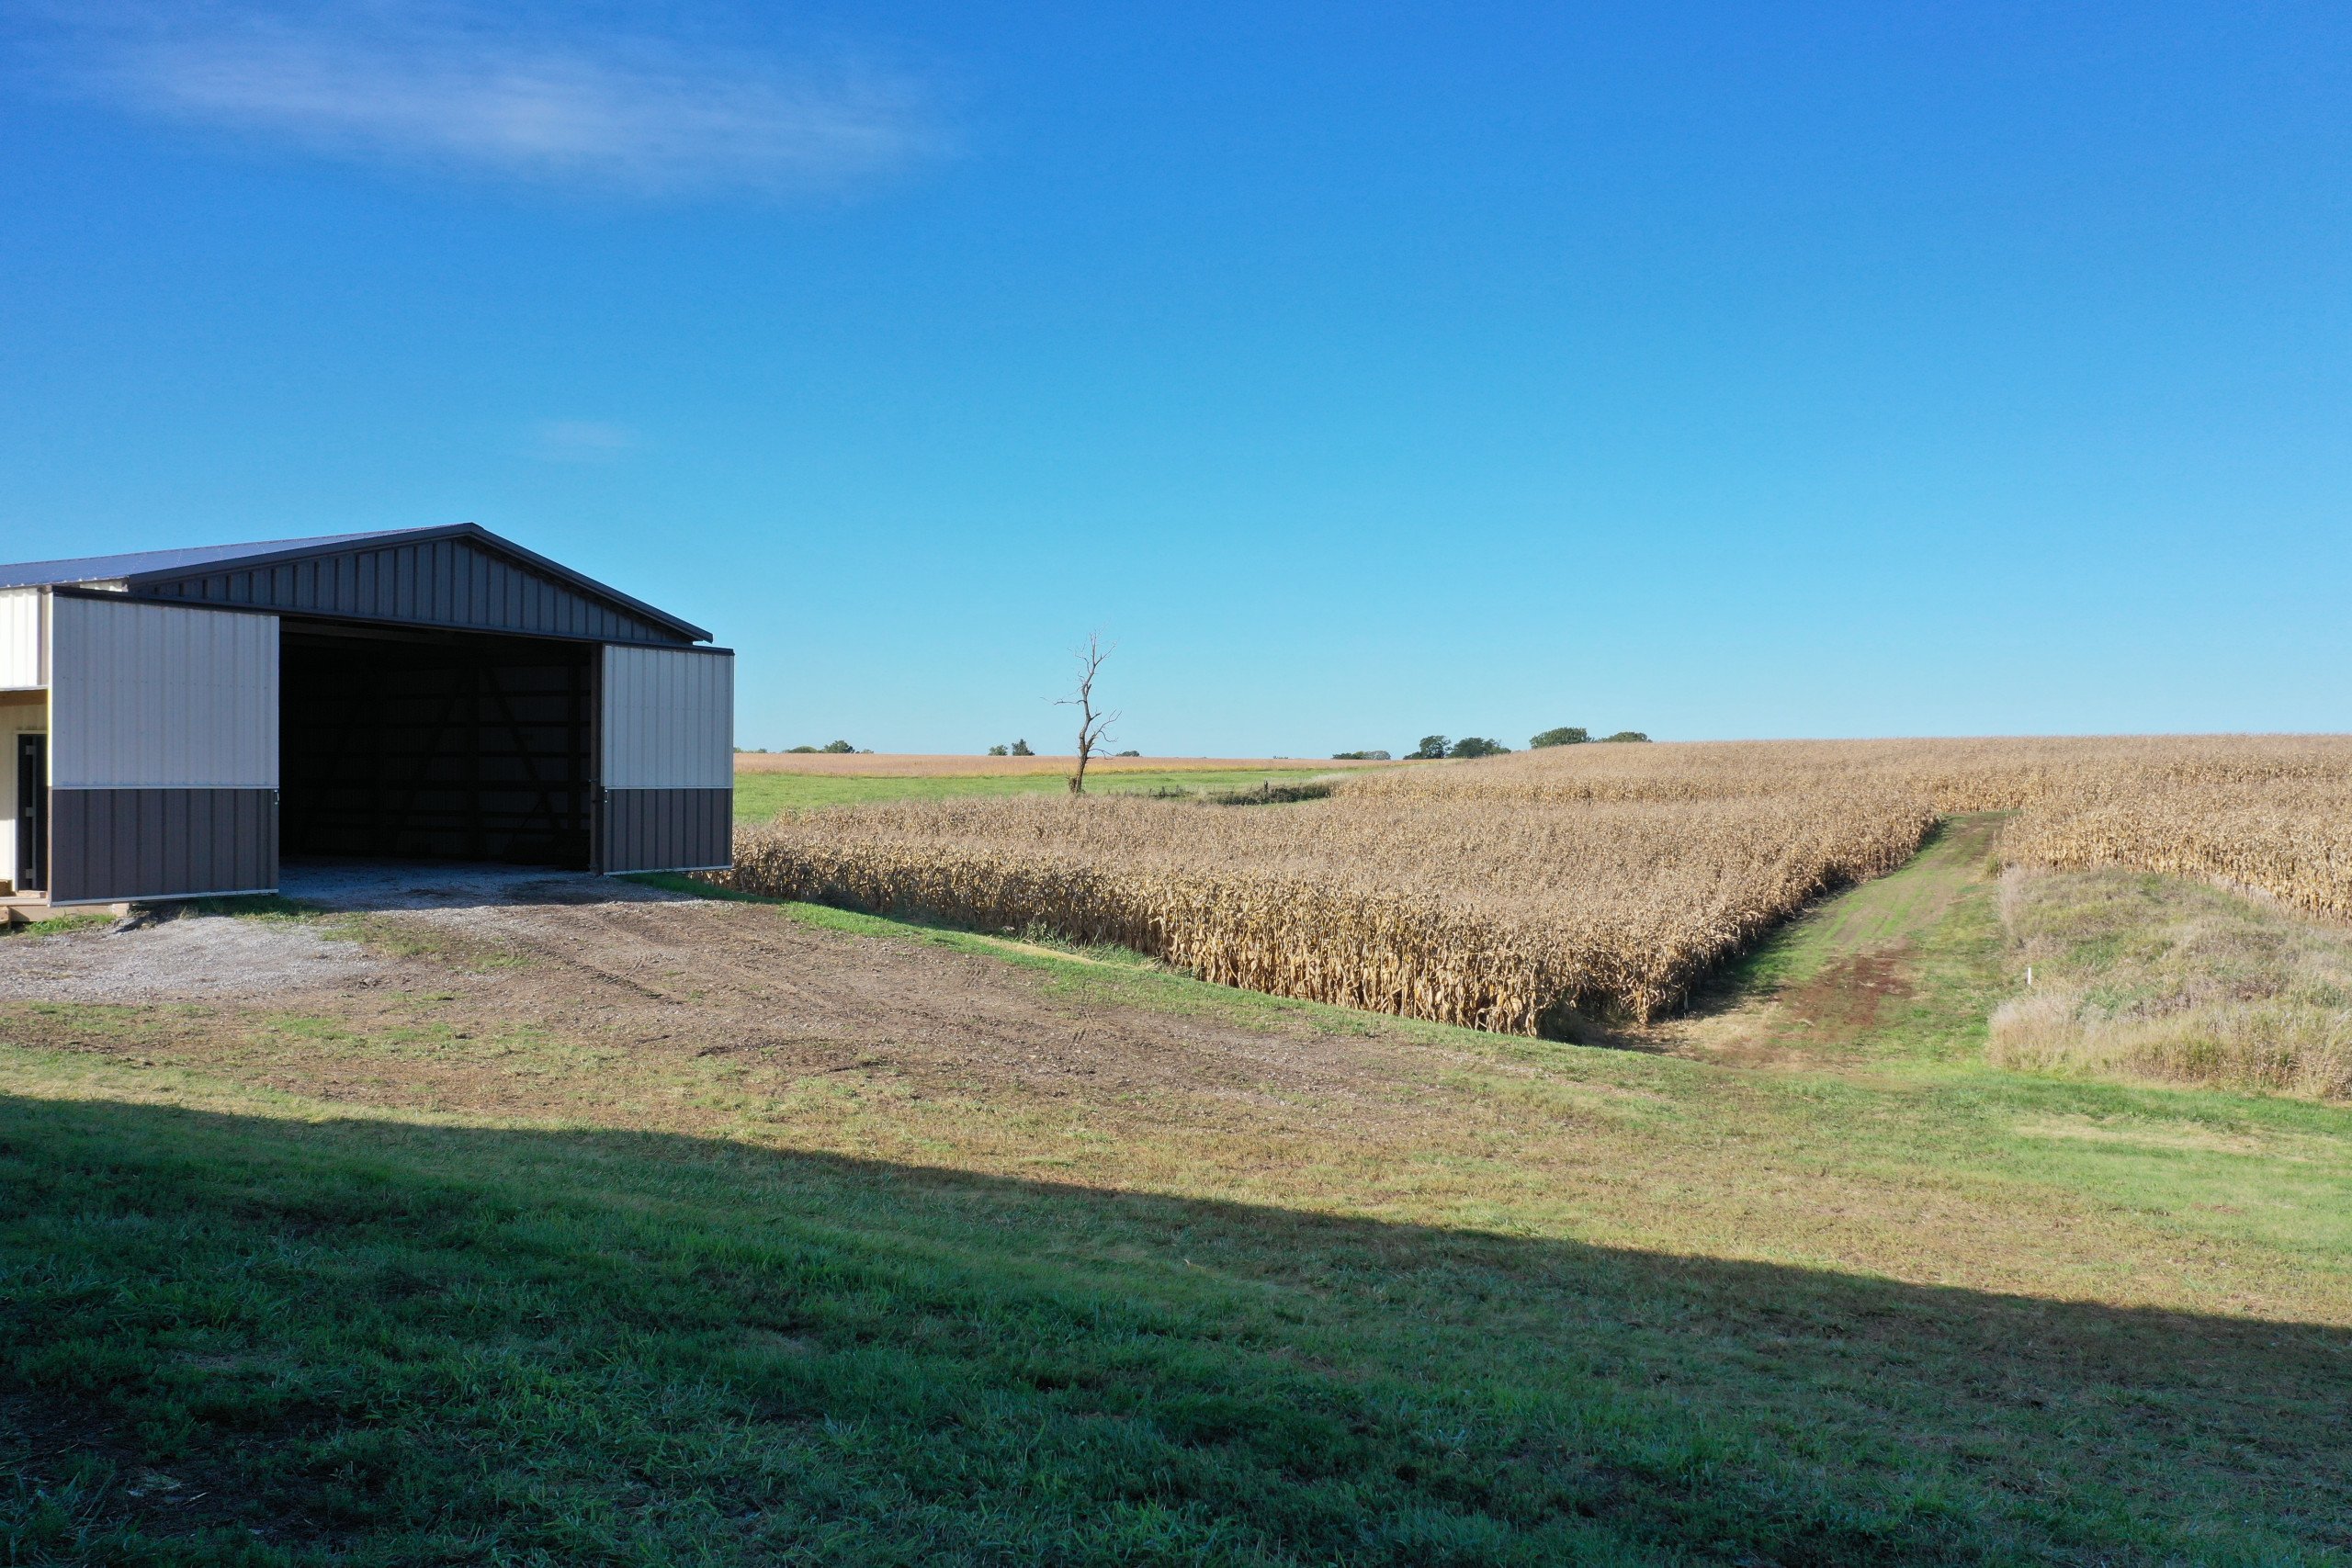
column 1363, row 370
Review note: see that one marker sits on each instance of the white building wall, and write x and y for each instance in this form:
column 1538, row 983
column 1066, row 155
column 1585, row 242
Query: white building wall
column 668, row 719
column 153, row 696
column 23, row 648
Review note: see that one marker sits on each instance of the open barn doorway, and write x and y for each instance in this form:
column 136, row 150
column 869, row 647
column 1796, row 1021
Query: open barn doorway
column 397, row 744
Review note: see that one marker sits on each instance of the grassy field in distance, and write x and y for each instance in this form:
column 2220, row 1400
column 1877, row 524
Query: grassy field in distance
column 1820, row 1286
column 954, row 764
column 767, row 782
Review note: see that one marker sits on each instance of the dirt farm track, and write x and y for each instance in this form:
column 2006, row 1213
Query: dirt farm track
column 474, row 956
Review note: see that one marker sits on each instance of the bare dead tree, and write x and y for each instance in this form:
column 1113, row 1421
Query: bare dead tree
column 1093, row 727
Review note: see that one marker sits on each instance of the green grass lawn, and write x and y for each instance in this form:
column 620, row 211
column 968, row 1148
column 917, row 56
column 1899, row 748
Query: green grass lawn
column 759, row 796
column 1880, row 1302
column 253, row 1340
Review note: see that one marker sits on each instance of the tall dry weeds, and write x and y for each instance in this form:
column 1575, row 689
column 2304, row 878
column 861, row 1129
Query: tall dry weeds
column 2151, row 977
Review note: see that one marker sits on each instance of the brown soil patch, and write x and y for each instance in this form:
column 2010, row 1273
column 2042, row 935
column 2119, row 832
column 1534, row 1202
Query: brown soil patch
column 1806, row 1025
column 1843, row 1000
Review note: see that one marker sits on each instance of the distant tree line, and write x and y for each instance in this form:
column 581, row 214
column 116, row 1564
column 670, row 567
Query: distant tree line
column 1436, row 746
column 1576, row 735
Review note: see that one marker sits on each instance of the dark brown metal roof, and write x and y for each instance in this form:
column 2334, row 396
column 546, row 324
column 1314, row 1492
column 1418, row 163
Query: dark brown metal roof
column 460, row 575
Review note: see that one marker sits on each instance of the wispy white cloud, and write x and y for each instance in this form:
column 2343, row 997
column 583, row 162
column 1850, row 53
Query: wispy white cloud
column 580, row 441
column 471, row 90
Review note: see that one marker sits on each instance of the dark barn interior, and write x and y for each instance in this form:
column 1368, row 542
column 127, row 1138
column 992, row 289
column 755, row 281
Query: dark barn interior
column 435, row 745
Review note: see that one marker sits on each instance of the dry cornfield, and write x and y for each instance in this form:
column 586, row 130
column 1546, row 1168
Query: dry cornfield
column 1515, row 893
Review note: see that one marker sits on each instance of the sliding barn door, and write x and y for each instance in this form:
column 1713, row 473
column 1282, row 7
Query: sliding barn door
column 163, row 752
column 667, row 729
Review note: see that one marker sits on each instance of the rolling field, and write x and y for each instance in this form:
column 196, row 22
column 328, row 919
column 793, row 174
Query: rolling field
column 647, row 1222
column 1550, row 892
column 728, row 1231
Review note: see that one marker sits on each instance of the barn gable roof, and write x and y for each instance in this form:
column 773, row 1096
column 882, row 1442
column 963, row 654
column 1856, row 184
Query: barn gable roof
column 461, row 575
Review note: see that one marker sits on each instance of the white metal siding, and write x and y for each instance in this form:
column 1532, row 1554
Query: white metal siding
column 21, row 644
column 151, row 696
column 669, row 719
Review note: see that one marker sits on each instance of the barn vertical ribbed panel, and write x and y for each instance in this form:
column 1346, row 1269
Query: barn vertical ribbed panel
column 162, row 751
column 117, row 845
column 667, row 760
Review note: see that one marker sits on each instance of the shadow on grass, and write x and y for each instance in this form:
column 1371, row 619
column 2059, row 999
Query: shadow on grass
column 237, row 1339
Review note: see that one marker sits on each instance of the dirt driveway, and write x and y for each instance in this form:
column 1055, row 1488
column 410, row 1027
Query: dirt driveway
column 434, row 968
